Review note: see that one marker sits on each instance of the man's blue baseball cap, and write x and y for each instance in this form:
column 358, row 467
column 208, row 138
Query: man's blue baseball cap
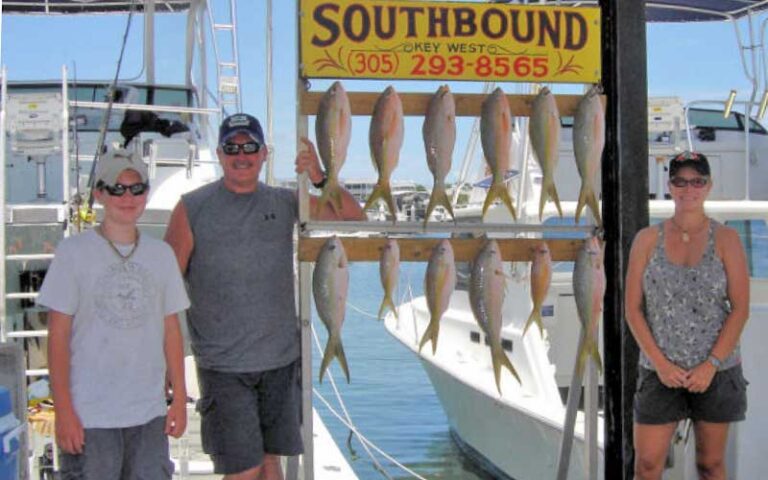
column 240, row 123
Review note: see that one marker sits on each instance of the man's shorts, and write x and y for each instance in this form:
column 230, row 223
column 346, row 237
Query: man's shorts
column 131, row 452
column 724, row 401
column 245, row 415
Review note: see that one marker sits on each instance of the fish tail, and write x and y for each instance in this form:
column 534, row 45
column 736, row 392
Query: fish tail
column 431, row 333
column 553, row 194
column 500, row 359
column 535, row 316
column 499, row 190
column 589, row 349
column 587, row 197
column 439, row 197
column 334, row 349
column 594, row 206
column 387, row 303
column 331, row 193
column 548, row 190
column 582, row 201
column 382, row 191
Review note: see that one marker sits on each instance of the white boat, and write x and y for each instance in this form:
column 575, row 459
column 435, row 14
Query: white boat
column 50, row 131
column 517, row 434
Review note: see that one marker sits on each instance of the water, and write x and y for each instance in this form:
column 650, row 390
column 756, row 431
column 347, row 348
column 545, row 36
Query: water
column 390, row 398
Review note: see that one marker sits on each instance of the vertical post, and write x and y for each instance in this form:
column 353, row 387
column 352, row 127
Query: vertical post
column 3, row 106
column 591, row 393
column 305, row 279
column 65, row 134
column 149, row 40
column 625, row 211
column 270, row 153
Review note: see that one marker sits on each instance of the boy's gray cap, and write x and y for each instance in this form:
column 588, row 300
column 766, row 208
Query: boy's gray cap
column 114, row 162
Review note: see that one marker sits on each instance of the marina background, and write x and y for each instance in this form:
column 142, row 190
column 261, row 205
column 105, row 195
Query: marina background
column 390, row 398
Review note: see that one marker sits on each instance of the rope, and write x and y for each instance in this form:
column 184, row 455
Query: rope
column 364, row 440
column 361, row 311
column 348, row 420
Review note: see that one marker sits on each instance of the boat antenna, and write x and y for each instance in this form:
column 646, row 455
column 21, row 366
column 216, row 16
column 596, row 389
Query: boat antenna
column 86, row 213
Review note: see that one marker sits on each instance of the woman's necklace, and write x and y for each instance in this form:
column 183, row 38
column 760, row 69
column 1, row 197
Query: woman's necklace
column 686, row 234
column 127, row 256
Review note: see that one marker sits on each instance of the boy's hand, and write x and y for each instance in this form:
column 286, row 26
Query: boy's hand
column 176, row 420
column 70, row 436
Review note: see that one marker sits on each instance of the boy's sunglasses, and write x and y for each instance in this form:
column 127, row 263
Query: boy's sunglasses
column 235, row 148
column 696, row 182
column 118, row 189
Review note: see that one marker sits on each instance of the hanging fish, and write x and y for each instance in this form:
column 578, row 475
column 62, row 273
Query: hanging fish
column 541, row 276
column 545, row 140
column 389, row 271
column 588, row 291
column 439, row 283
column 486, row 297
column 439, row 132
column 588, row 143
column 333, row 129
column 330, row 283
column 385, row 138
column 496, row 137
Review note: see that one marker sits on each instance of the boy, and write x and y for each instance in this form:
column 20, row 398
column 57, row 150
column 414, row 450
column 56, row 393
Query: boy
column 113, row 333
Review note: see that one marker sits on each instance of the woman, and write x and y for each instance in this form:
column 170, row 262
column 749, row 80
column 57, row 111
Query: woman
column 687, row 300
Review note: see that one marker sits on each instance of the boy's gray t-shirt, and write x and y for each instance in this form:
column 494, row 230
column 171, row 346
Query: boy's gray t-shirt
column 241, row 279
column 117, row 360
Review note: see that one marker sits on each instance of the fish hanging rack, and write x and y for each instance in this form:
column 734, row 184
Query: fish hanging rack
column 413, row 248
column 367, row 249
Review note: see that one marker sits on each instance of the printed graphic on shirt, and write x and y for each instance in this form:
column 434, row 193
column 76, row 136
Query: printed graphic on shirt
column 124, row 295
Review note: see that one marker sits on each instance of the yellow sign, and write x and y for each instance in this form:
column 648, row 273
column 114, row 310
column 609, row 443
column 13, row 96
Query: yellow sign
column 449, row 41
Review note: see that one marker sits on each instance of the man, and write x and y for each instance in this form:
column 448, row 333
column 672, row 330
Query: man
column 114, row 337
column 234, row 242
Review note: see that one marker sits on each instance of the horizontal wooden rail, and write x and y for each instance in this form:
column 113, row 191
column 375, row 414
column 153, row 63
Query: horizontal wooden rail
column 415, row 104
column 419, row 249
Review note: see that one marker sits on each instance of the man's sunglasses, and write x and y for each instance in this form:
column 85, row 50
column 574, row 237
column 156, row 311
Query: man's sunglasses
column 118, row 189
column 696, row 182
column 235, row 148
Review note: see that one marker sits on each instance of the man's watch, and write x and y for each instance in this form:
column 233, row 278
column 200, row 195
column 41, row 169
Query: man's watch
column 715, row 361
column 321, row 183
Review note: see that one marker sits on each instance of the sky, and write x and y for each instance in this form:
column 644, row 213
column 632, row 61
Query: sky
column 691, row 61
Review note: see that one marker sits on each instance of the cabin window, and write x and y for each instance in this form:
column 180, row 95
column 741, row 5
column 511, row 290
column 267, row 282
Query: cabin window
column 754, row 237
column 474, row 337
column 699, row 118
column 506, row 345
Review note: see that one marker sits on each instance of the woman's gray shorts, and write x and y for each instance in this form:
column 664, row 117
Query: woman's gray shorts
column 724, row 401
column 245, row 415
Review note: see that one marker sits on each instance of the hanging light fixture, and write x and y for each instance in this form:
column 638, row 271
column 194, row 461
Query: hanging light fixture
column 729, row 104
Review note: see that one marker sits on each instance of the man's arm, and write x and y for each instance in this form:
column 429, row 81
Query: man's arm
column 176, row 421
column 307, row 161
column 70, row 436
column 179, row 236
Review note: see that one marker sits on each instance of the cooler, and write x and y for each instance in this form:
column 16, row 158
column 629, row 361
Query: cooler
column 10, row 429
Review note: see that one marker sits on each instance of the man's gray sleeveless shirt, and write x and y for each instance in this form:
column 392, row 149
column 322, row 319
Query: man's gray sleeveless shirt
column 240, row 278
column 685, row 307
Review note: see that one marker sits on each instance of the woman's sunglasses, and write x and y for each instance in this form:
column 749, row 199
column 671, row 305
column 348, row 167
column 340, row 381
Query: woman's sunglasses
column 118, row 189
column 696, row 182
column 235, row 148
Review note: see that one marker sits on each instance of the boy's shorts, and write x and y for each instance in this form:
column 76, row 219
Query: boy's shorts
column 724, row 401
column 131, row 452
column 245, row 415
